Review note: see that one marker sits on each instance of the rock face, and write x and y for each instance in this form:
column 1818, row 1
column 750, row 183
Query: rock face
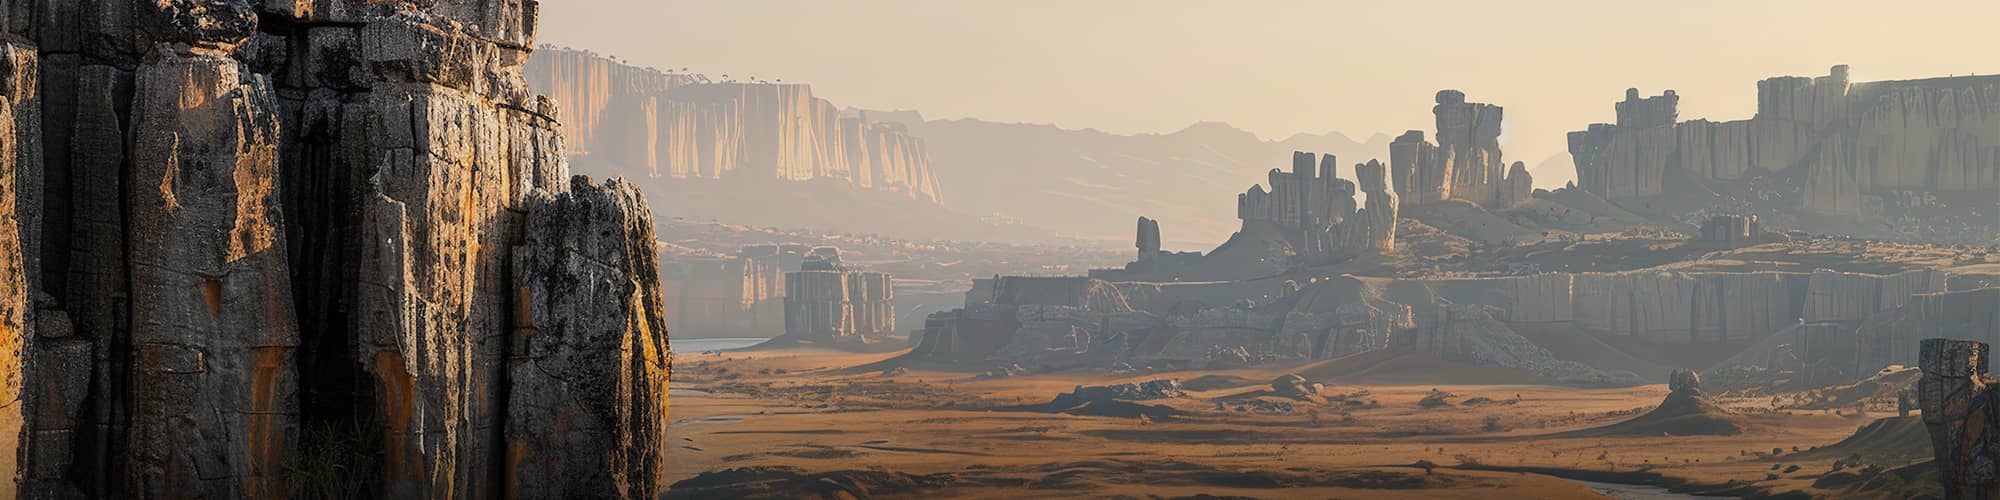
column 16, row 81
column 1847, row 149
column 587, row 272
column 1958, row 400
column 669, row 125
column 244, row 229
column 214, row 335
column 1465, row 164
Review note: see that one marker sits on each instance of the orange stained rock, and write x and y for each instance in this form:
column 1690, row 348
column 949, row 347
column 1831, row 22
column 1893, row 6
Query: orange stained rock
column 211, row 293
column 397, row 398
column 517, row 451
column 266, row 436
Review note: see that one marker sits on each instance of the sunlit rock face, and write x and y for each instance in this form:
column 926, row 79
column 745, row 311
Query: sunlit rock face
column 1829, row 146
column 234, row 230
column 638, row 122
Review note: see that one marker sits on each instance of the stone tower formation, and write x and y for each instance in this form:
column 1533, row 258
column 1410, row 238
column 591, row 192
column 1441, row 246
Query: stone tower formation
column 827, row 301
column 1317, row 211
column 230, row 229
column 1464, row 164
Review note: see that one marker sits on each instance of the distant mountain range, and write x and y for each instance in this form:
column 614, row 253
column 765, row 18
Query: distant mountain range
column 1093, row 184
column 775, row 155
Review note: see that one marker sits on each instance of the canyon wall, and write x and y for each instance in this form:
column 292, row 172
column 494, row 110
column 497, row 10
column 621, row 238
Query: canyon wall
column 671, row 125
column 1847, row 148
column 238, row 232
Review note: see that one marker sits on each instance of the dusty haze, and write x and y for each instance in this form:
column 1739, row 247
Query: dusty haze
column 1282, row 67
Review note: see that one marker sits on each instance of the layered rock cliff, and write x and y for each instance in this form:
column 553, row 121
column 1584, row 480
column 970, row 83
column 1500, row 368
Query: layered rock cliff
column 237, row 232
column 631, row 120
column 1829, row 146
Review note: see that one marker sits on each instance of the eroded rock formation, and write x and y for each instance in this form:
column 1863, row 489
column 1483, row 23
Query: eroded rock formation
column 1317, row 213
column 236, row 230
column 673, row 125
column 1464, row 164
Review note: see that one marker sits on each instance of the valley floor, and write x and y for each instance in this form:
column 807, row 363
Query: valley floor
column 799, row 423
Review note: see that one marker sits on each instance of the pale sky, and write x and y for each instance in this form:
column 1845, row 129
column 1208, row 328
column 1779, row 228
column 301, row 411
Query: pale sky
column 1282, row 67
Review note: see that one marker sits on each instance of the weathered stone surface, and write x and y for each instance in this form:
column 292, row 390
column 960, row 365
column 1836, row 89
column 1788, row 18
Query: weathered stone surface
column 1960, row 411
column 248, row 207
column 15, row 331
column 587, row 404
column 212, row 412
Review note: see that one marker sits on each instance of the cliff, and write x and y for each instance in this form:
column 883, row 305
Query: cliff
column 237, row 233
column 641, row 122
column 1926, row 151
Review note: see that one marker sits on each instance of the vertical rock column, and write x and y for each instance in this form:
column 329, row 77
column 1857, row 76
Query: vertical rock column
column 1378, row 219
column 16, row 78
column 212, row 384
column 587, row 406
column 1960, row 411
column 447, row 164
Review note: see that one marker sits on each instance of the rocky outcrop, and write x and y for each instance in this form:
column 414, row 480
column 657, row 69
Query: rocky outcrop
column 1373, row 230
column 1465, row 164
column 1851, row 149
column 245, row 229
column 1958, row 400
column 588, row 376
column 674, row 125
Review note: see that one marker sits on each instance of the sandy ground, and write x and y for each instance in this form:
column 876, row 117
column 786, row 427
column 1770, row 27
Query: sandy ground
column 950, row 435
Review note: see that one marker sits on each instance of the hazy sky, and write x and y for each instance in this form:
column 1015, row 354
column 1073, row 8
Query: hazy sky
column 1281, row 67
